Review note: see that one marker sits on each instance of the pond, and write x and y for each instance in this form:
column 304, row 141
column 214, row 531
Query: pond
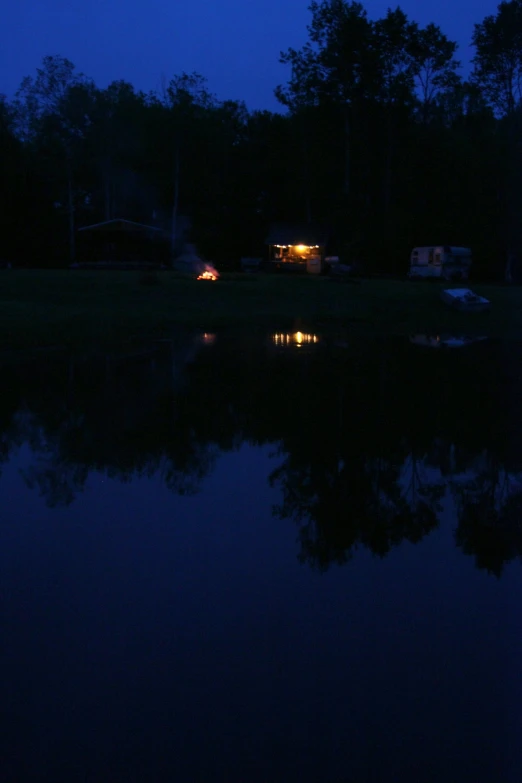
column 262, row 558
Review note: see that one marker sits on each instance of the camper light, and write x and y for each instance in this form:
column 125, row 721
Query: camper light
column 301, row 248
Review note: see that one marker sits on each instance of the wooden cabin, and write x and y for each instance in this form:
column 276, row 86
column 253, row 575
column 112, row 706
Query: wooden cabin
column 123, row 244
column 300, row 248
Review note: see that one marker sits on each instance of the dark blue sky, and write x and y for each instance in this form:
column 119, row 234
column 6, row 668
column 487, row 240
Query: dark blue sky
column 234, row 43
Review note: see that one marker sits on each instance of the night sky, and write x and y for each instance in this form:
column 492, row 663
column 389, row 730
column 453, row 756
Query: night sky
column 234, row 43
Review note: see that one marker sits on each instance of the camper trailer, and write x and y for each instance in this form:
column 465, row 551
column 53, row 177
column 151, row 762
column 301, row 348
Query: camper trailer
column 449, row 263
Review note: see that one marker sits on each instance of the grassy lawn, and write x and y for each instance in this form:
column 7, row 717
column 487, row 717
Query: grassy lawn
column 83, row 308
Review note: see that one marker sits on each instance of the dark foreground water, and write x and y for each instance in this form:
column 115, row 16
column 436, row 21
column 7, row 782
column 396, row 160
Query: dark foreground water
column 245, row 559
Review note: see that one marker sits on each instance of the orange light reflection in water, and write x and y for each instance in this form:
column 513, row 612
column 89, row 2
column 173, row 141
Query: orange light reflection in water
column 297, row 338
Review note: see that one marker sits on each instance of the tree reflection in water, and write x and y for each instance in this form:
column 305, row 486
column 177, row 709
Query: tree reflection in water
column 489, row 507
column 372, row 437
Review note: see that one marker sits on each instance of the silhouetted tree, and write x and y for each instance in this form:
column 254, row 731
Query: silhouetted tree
column 52, row 113
column 498, row 72
column 381, row 141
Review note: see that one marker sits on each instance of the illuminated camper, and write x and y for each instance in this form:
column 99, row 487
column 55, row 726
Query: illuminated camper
column 297, row 248
column 448, row 263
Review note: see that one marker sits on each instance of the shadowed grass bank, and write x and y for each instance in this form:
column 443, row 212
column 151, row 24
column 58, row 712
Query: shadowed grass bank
column 80, row 309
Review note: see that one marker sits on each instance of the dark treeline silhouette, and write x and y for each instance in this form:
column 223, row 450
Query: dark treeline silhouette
column 372, row 439
column 382, row 139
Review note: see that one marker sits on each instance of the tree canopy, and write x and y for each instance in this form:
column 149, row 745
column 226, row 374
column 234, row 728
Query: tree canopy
column 379, row 137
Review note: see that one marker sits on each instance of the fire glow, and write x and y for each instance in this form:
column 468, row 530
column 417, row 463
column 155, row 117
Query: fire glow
column 209, row 273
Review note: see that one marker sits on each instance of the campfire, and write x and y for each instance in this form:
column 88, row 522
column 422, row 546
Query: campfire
column 209, row 273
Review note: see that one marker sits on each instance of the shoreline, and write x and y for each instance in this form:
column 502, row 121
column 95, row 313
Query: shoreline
column 81, row 309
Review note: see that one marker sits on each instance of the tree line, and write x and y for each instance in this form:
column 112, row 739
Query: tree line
column 380, row 138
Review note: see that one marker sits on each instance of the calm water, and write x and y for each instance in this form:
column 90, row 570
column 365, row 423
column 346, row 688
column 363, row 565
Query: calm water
column 241, row 559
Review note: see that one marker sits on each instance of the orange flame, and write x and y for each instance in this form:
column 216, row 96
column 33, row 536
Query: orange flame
column 210, row 273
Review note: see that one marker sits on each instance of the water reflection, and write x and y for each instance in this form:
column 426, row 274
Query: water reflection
column 444, row 341
column 207, row 338
column 372, row 441
column 294, row 339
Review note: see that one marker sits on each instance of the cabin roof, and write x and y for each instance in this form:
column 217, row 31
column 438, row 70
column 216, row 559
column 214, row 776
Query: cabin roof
column 296, row 234
column 119, row 224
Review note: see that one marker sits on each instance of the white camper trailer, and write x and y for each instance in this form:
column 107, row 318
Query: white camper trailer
column 449, row 263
